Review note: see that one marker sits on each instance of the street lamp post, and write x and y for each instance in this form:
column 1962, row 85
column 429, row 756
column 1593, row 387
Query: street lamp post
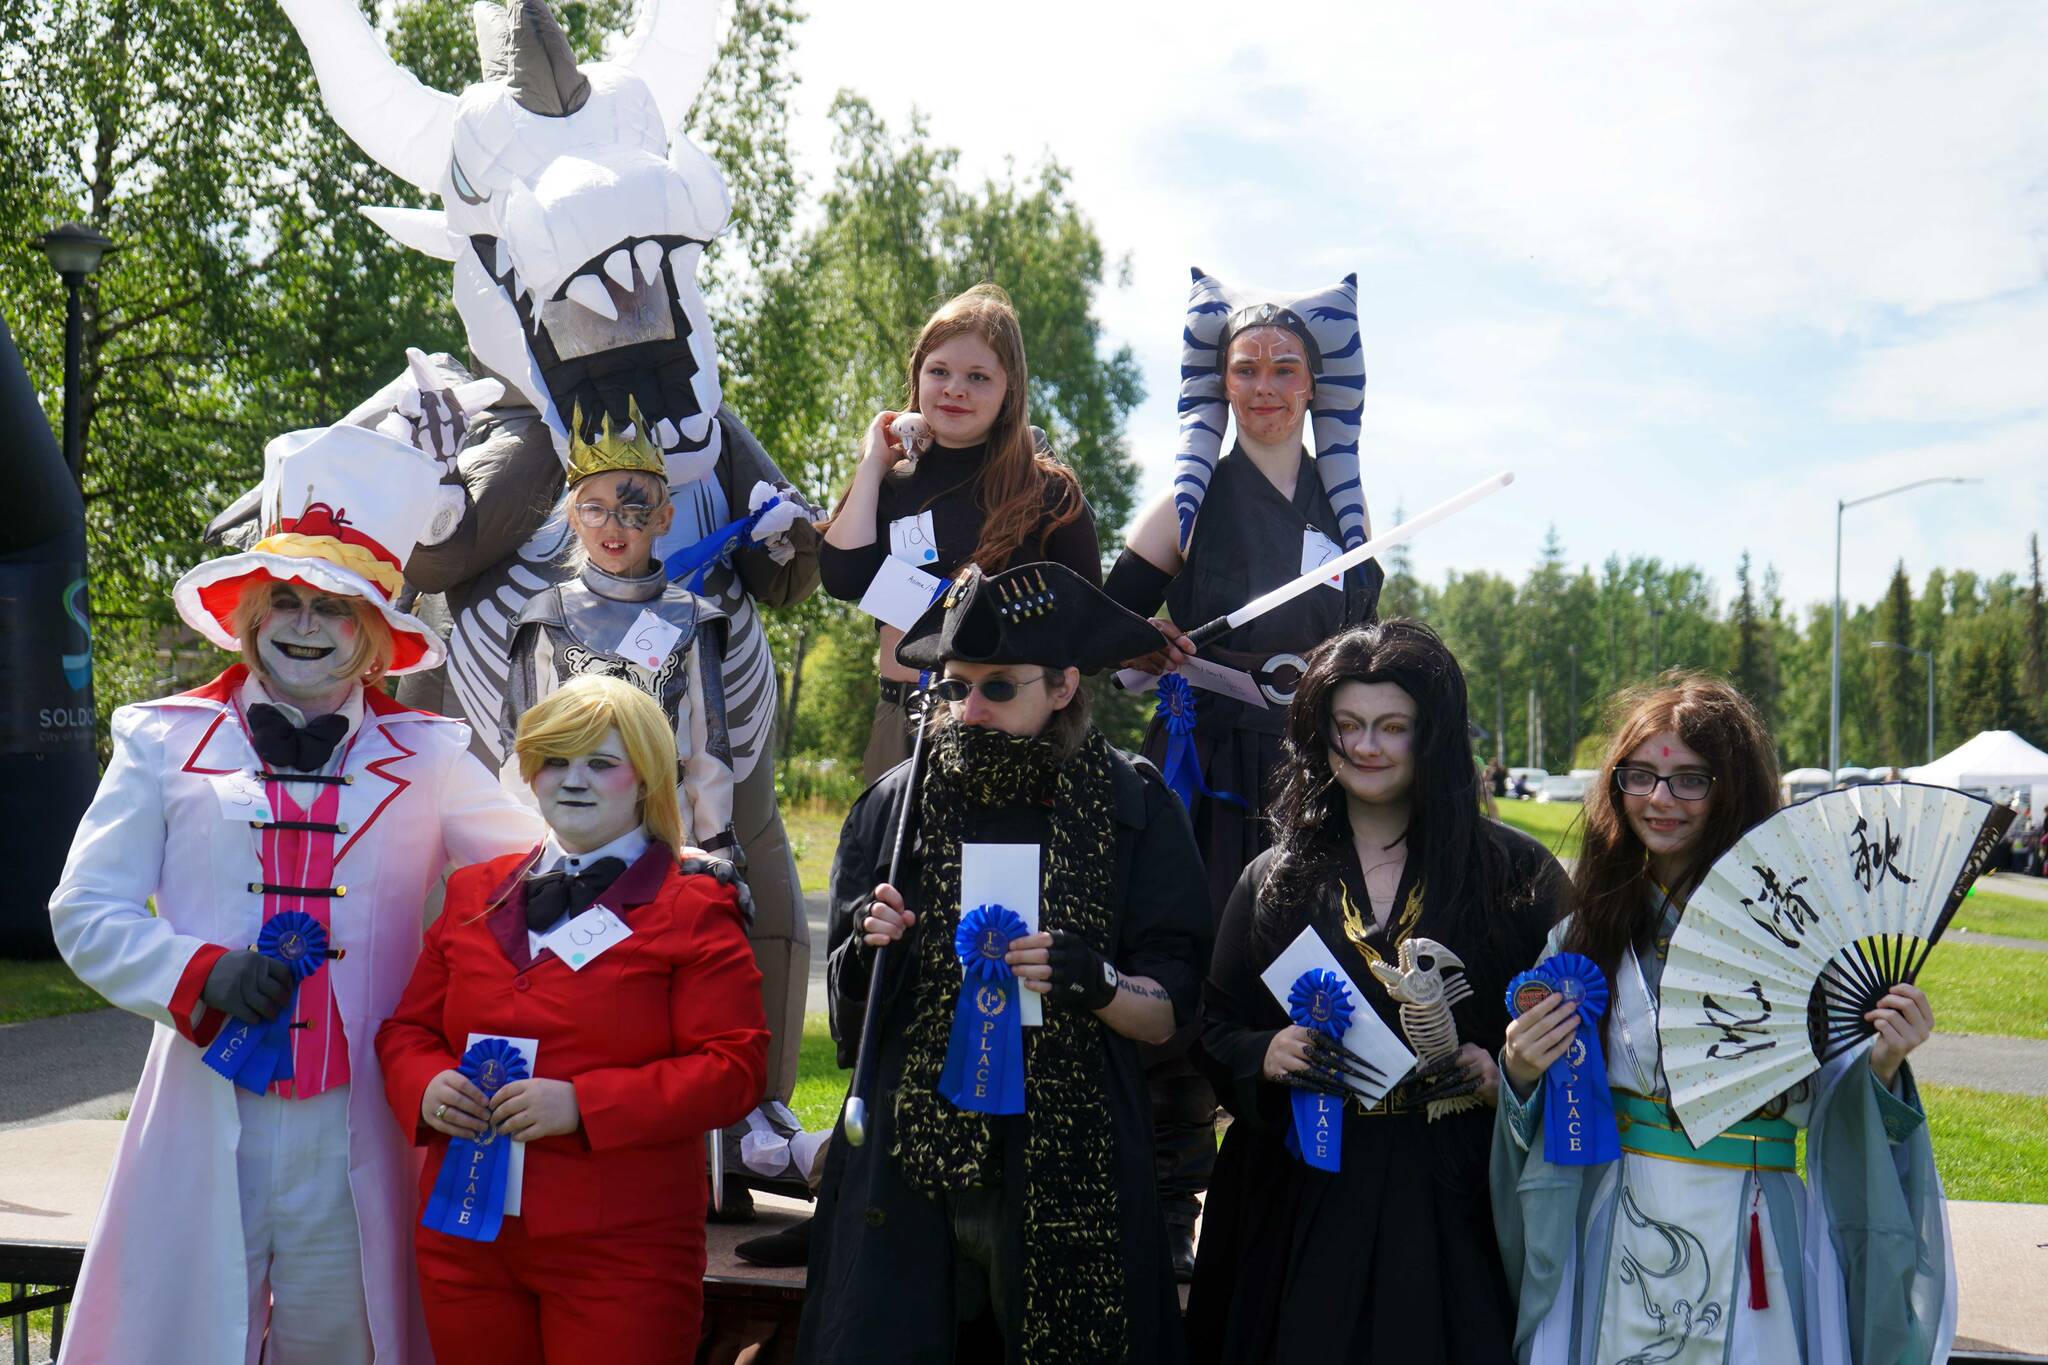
column 1835, row 653
column 1928, row 655
column 74, row 253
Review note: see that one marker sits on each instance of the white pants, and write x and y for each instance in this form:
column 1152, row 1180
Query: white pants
column 305, row 1256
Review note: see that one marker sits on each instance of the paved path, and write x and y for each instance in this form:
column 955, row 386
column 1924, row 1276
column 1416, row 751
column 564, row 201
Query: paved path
column 2015, row 1065
column 2025, row 945
column 75, row 1066
column 2013, row 884
column 84, row 1066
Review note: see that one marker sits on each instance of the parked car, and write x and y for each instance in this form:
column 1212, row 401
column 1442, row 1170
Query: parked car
column 1801, row 783
column 1853, row 777
column 1524, row 782
column 1564, row 787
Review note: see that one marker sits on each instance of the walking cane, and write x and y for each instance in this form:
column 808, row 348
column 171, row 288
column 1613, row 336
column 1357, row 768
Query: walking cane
column 856, row 1116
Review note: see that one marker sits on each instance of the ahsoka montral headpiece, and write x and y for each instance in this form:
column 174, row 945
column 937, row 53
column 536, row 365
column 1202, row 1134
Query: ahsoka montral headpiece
column 1328, row 322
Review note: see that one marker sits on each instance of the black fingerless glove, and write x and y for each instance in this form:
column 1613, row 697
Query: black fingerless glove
column 725, row 874
column 247, row 985
column 1080, row 975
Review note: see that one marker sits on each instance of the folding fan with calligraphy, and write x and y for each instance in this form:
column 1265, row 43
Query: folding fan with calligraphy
column 1800, row 929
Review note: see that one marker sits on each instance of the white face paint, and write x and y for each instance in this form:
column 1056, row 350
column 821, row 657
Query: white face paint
column 591, row 799
column 302, row 638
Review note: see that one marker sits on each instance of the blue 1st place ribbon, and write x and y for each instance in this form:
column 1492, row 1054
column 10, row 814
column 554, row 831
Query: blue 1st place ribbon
column 1321, row 1003
column 984, row 1069
column 256, row 1056
column 1578, row 1110
column 1180, row 767
column 469, row 1192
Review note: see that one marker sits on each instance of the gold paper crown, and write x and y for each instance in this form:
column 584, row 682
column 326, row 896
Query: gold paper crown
column 612, row 453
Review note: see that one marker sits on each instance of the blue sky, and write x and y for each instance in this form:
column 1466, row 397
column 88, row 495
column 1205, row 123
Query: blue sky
column 1693, row 272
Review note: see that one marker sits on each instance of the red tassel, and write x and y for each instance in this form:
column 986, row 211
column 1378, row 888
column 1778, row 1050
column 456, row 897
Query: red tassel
column 1758, row 1299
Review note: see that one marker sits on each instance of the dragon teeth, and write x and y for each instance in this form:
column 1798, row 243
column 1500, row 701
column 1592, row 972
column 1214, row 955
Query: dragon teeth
column 619, row 266
column 647, row 256
column 589, row 291
column 666, row 431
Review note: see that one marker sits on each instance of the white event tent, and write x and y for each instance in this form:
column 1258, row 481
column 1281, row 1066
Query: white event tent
column 1994, row 759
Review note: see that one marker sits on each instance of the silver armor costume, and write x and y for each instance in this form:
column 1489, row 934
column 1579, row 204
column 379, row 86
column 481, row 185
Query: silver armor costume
column 577, row 626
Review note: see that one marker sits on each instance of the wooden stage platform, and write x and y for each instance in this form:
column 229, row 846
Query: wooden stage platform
column 51, row 1178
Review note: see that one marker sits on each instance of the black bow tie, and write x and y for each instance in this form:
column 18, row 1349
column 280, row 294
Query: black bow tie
column 552, row 895
column 301, row 748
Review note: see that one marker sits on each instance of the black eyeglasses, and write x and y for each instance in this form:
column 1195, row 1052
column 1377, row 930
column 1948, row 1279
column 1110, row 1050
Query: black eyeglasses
column 1684, row 786
column 632, row 516
column 994, row 689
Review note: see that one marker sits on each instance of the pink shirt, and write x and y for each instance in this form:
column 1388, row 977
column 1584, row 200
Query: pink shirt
column 305, row 858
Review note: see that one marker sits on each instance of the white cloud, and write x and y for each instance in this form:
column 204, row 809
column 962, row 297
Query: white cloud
column 1970, row 364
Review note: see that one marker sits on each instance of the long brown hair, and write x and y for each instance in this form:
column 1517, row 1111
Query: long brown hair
column 1023, row 489
column 1611, row 882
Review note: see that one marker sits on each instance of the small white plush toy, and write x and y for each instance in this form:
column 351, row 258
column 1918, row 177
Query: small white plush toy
column 914, row 433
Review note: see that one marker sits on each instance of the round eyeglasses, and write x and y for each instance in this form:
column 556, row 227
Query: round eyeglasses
column 1684, row 786
column 994, row 689
column 632, row 516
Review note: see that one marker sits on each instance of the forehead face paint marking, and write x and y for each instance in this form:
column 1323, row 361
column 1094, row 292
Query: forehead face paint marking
column 1667, row 751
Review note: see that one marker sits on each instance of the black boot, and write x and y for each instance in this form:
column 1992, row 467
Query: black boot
column 779, row 1250
column 1180, row 1248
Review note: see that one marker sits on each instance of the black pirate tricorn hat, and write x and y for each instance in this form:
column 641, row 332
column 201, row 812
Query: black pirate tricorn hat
column 1044, row 614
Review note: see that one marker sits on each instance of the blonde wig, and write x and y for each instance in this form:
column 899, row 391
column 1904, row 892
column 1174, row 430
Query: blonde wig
column 574, row 719
column 366, row 663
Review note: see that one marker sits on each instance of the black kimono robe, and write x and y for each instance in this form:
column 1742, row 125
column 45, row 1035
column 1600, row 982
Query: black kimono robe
column 881, row 1283
column 1392, row 1257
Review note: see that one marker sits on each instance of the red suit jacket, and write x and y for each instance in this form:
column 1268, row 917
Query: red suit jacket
column 662, row 1035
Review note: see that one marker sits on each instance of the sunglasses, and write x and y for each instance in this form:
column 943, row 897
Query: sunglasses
column 993, row 689
column 631, row 517
column 1684, row 786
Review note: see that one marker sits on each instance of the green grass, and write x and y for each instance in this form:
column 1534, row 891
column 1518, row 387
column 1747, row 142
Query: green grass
column 1987, row 912
column 1556, row 823
column 813, row 830
column 37, row 990
column 1987, row 990
column 1989, row 1146
column 820, row 1084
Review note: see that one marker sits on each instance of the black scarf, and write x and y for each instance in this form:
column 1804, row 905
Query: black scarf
column 1073, row 1273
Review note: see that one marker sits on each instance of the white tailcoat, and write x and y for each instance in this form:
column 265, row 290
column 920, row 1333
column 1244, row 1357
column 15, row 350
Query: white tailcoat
column 163, row 1278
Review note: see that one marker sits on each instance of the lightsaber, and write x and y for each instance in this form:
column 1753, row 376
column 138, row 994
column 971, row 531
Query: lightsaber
column 1350, row 559
column 715, row 1153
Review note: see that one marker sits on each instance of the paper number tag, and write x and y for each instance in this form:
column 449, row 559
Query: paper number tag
column 912, row 539
column 1318, row 550
column 241, row 797
column 648, row 640
column 579, row 942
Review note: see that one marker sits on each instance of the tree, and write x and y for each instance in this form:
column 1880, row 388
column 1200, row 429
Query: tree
column 2036, row 675
column 1403, row 594
column 1900, row 681
column 1753, row 660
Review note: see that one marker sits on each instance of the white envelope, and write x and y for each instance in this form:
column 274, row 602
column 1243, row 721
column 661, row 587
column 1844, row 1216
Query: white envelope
column 1368, row 1035
column 515, row 1165
column 899, row 593
column 1231, row 682
column 1005, row 875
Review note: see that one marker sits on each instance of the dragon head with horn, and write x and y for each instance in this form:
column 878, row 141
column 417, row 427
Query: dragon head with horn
column 574, row 206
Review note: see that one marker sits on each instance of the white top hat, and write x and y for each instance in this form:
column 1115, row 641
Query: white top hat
column 343, row 508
